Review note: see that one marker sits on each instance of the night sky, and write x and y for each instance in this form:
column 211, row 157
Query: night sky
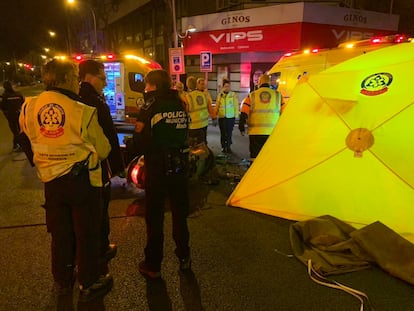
column 24, row 26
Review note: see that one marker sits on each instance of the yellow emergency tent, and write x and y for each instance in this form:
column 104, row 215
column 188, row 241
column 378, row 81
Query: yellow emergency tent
column 343, row 147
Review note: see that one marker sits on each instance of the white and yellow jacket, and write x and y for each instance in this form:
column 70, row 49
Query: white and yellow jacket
column 63, row 131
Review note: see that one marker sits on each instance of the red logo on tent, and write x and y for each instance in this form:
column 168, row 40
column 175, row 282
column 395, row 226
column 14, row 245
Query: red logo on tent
column 376, row 84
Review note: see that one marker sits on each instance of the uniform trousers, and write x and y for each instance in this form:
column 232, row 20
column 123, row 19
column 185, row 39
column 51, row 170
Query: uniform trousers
column 160, row 188
column 105, row 227
column 13, row 121
column 73, row 217
column 256, row 142
column 226, row 126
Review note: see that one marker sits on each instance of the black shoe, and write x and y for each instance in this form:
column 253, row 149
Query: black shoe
column 97, row 290
column 111, row 252
column 145, row 270
column 185, row 263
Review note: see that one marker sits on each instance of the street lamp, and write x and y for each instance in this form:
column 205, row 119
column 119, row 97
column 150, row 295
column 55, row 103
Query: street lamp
column 176, row 34
column 72, row 2
column 189, row 29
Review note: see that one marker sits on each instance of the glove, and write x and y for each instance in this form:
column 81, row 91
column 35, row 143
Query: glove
column 242, row 122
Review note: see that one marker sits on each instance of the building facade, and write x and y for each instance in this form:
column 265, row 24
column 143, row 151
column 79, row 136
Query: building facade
column 244, row 36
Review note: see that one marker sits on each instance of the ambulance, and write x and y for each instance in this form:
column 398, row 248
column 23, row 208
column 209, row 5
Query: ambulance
column 125, row 83
column 293, row 66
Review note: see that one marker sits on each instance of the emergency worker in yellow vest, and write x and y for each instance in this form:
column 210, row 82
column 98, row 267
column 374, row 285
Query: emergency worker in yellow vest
column 199, row 108
column 68, row 145
column 227, row 109
column 261, row 110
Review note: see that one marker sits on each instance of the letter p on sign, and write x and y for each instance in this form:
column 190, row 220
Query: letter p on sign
column 206, row 62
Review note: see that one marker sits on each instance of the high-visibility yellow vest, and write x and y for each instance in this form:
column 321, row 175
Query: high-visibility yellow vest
column 265, row 105
column 228, row 105
column 198, row 109
column 62, row 132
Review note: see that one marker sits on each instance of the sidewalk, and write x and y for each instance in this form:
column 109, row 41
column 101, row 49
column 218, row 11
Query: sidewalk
column 241, row 259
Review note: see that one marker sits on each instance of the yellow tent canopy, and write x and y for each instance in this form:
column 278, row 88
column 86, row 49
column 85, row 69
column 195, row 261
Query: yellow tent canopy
column 343, row 147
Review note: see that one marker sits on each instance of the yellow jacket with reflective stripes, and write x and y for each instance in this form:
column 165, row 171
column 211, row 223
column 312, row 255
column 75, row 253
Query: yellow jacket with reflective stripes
column 198, row 109
column 63, row 131
column 263, row 109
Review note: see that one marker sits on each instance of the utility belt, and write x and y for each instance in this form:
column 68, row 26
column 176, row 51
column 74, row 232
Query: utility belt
column 172, row 161
column 176, row 161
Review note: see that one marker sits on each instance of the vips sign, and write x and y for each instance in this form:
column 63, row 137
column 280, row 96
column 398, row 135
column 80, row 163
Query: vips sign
column 176, row 61
column 206, row 62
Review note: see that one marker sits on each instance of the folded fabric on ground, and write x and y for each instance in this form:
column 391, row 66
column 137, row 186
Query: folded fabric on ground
column 335, row 247
column 388, row 249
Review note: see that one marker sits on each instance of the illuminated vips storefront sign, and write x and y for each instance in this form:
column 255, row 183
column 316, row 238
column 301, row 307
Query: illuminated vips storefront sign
column 283, row 27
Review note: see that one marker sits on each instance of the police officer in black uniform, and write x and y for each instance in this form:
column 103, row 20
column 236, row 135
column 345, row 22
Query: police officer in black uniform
column 11, row 104
column 163, row 124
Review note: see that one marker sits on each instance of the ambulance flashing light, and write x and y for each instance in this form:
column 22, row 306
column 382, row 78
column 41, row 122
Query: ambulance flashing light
column 113, row 57
column 351, row 44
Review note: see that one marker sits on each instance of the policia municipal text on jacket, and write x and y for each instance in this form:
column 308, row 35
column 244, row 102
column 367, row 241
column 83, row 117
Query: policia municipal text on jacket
column 261, row 110
column 163, row 122
column 68, row 145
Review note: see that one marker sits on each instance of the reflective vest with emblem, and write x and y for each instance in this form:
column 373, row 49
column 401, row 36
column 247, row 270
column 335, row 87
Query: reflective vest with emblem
column 265, row 105
column 228, row 105
column 58, row 127
column 198, row 109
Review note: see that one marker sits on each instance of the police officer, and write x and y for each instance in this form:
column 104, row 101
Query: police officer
column 261, row 110
column 163, row 123
column 68, row 145
column 93, row 81
column 199, row 107
column 11, row 104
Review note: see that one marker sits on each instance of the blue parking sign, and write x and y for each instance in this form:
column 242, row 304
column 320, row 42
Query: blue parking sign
column 206, row 62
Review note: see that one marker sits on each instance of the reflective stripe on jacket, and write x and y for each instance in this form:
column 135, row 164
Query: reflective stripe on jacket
column 265, row 105
column 198, row 109
column 62, row 132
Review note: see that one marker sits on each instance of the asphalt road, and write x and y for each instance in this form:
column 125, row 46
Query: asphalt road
column 241, row 259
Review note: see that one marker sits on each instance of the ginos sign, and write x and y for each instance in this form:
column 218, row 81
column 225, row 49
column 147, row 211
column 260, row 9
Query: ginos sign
column 231, row 37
